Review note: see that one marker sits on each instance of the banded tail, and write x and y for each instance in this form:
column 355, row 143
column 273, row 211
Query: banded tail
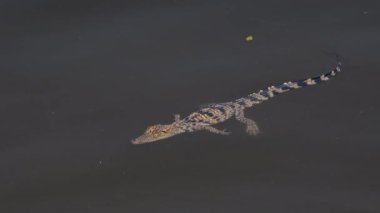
column 270, row 92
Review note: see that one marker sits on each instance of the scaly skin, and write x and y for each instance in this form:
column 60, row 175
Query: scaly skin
column 205, row 118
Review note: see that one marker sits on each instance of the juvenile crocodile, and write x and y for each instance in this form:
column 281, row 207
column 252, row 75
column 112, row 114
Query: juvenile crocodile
column 206, row 117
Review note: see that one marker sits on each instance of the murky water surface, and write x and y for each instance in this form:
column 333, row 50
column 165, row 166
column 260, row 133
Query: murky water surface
column 80, row 79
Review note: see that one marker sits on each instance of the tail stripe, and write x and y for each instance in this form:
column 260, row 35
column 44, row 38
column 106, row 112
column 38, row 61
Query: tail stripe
column 270, row 92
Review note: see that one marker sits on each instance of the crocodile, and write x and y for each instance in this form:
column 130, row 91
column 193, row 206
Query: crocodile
column 212, row 114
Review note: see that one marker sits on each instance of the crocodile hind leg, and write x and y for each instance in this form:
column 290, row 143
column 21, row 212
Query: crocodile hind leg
column 252, row 127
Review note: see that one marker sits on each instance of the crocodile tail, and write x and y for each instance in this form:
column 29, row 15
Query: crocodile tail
column 270, row 92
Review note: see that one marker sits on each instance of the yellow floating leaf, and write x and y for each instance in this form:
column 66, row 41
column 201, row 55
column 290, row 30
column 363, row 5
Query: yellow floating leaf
column 249, row 38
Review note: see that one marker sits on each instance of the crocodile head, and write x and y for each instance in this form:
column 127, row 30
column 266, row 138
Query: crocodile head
column 157, row 132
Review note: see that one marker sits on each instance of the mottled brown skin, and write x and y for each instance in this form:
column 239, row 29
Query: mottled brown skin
column 205, row 118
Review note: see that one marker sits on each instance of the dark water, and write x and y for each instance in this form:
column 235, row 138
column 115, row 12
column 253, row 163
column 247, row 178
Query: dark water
column 79, row 79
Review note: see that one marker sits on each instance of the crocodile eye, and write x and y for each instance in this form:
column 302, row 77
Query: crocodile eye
column 153, row 130
column 150, row 130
